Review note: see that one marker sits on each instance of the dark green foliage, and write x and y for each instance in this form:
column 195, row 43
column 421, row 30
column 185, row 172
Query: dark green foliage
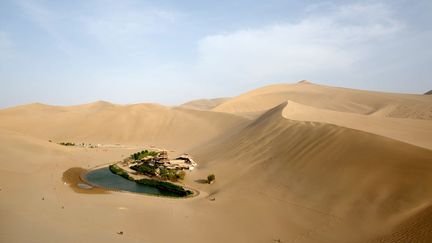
column 67, row 144
column 144, row 153
column 165, row 186
column 144, row 168
column 163, row 173
column 166, row 174
column 211, row 178
column 118, row 171
column 171, row 175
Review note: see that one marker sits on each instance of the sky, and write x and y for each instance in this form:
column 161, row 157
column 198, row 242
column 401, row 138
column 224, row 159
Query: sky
column 170, row 52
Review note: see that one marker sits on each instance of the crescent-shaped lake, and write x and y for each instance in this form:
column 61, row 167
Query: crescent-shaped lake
column 105, row 179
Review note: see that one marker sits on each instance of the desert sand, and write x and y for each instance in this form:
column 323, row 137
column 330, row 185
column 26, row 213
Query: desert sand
column 296, row 162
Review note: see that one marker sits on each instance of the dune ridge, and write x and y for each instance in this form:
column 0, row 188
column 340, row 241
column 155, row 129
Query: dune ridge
column 364, row 102
column 351, row 175
column 414, row 131
column 203, row 104
column 108, row 123
column 293, row 163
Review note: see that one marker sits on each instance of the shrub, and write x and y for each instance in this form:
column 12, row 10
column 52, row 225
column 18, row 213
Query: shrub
column 67, row 144
column 181, row 175
column 172, row 175
column 144, row 168
column 211, row 178
column 168, row 174
column 163, row 173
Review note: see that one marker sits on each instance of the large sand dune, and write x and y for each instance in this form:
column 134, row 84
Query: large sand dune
column 332, row 98
column 404, row 117
column 295, row 163
column 102, row 122
column 414, row 131
column 359, row 179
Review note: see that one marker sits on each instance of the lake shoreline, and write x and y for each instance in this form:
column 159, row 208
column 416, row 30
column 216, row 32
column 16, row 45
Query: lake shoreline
column 84, row 179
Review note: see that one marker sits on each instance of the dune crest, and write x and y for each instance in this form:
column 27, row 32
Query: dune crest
column 203, row 104
column 107, row 123
column 416, row 132
column 367, row 181
column 395, row 105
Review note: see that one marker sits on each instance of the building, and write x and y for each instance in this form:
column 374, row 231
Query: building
column 163, row 157
column 187, row 160
column 183, row 162
column 162, row 161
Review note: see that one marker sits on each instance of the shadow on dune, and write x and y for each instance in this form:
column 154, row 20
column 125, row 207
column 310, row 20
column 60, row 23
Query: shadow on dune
column 202, row 181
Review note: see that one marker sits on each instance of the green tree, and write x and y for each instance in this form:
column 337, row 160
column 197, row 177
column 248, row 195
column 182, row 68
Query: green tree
column 163, row 173
column 211, row 178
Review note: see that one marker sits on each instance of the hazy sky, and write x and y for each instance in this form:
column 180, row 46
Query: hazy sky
column 133, row 51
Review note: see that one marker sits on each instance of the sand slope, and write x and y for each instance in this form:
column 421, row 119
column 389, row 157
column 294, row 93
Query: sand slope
column 363, row 180
column 417, row 229
column 203, row 104
column 403, row 117
column 310, row 164
column 413, row 131
column 332, row 98
column 102, row 122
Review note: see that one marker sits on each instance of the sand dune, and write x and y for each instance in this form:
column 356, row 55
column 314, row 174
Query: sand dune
column 258, row 101
column 413, row 131
column 203, row 104
column 296, row 163
column 102, row 122
column 417, row 228
column 403, row 117
column 354, row 178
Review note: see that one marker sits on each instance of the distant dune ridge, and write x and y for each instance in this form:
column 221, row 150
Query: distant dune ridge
column 203, row 104
column 330, row 98
column 429, row 92
column 294, row 162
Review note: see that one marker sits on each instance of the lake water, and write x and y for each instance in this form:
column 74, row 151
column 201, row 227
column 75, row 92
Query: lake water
column 104, row 178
